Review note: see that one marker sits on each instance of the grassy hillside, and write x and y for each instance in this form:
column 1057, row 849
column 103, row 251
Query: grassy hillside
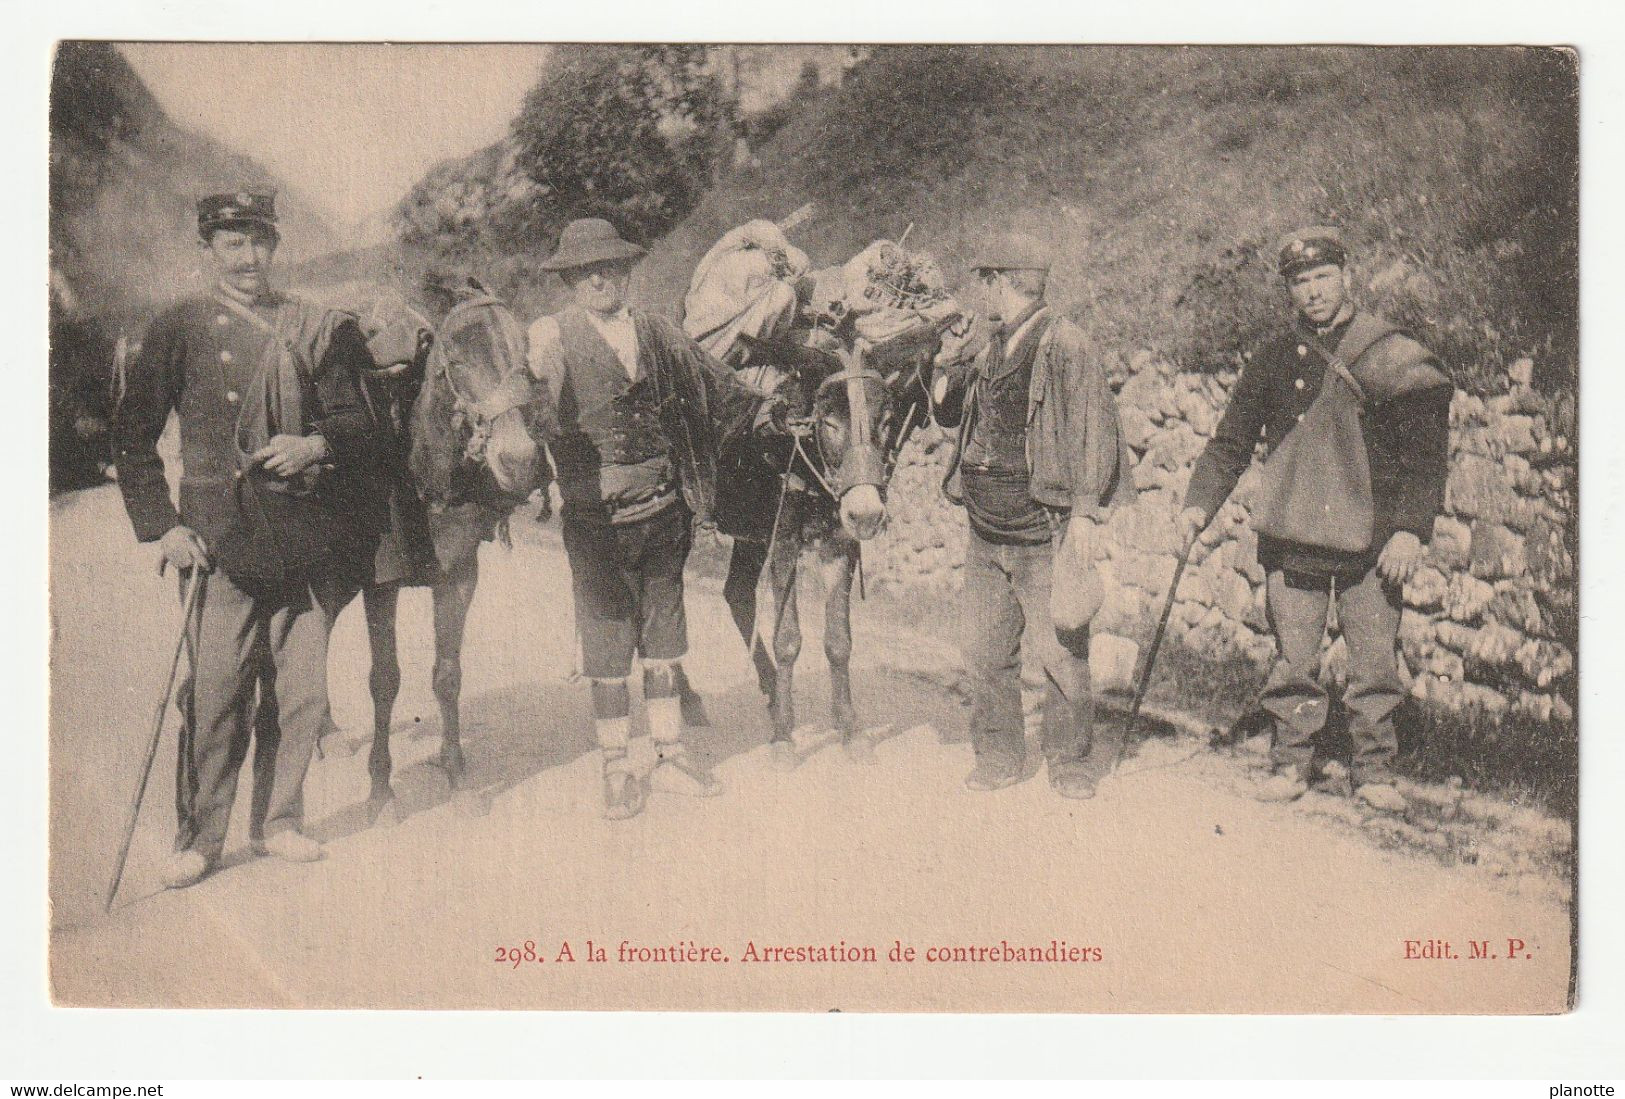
column 123, row 184
column 124, row 180
column 1164, row 175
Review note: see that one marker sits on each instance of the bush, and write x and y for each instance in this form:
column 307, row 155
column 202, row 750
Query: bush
column 628, row 133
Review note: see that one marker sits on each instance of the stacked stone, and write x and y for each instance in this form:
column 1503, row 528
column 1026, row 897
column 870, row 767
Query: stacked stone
column 922, row 547
column 1490, row 619
column 1167, row 419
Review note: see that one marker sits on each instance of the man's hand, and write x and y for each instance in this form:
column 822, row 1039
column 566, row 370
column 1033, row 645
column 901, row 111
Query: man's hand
column 960, row 343
column 1189, row 524
column 183, row 547
column 1076, row 592
column 290, row 455
column 1400, row 557
column 1078, row 543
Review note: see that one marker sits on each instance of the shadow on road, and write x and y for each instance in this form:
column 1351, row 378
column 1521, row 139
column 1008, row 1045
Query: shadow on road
column 512, row 734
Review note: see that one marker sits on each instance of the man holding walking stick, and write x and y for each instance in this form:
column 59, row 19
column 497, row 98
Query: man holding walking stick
column 1355, row 419
column 272, row 433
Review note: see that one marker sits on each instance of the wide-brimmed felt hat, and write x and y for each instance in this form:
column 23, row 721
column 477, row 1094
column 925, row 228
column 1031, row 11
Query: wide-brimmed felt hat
column 587, row 241
column 236, row 210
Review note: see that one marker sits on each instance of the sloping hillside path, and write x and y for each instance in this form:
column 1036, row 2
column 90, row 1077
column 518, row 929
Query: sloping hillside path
column 1196, row 897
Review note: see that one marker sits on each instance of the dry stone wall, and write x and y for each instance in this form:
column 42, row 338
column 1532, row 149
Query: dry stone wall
column 1490, row 620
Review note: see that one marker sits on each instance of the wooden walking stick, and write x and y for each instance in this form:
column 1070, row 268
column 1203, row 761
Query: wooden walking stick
column 1156, row 642
column 157, row 732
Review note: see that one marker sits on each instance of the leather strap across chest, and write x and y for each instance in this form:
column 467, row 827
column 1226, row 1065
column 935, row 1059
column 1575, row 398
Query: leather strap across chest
column 1365, row 332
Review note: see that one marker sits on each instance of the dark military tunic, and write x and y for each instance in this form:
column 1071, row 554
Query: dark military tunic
column 199, row 359
column 1407, row 443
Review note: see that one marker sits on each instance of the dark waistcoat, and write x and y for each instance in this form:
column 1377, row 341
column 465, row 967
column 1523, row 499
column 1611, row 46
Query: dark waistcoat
column 611, row 449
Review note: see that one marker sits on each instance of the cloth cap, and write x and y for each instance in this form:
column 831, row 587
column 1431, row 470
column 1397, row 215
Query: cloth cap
column 1315, row 246
column 1013, row 252
column 587, row 241
column 234, row 210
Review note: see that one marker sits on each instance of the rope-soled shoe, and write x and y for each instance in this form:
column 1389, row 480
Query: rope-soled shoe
column 676, row 773
column 624, row 796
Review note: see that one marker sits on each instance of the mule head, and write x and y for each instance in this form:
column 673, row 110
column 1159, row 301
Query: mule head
column 852, row 412
column 398, row 339
column 479, row 346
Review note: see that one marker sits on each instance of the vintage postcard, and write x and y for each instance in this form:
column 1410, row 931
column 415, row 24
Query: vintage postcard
column 974, row 528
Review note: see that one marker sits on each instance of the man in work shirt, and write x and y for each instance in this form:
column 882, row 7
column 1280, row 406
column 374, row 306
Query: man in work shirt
column 1039, row 465
column 1355, row 417
column 272, row 431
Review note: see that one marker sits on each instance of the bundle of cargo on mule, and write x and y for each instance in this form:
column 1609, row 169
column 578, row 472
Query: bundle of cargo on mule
column 850, row 349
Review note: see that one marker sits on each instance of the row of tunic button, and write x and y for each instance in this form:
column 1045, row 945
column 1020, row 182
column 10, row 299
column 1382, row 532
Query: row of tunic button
column 1297, row 383
column 232, row 396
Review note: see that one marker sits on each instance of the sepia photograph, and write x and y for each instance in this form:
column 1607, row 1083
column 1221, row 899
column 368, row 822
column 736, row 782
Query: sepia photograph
column 814, row 527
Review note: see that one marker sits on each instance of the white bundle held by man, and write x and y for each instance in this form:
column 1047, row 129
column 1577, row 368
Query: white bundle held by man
column 745, row 285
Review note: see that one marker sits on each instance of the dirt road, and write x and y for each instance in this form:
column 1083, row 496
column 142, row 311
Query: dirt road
column 1185, row 895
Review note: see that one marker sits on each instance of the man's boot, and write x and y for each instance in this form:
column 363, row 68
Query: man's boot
column 624, row 795
column 992, row 774
column 782, row 756
column 292, row 845
column 184, row 868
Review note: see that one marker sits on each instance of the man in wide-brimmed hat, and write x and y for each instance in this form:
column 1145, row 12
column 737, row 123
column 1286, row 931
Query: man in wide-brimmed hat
column 638, row 409
column 1355, row 418
column 274, row 436
column 1039, row 464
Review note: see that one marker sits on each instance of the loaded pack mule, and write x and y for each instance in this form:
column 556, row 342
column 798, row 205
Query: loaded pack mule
column 852, row 407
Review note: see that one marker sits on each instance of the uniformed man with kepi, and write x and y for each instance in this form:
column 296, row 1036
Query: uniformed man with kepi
column 272, row 433
column 637, row 408
column 1355, row 419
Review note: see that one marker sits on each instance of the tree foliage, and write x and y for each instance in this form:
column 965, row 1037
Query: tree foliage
column 631, row 133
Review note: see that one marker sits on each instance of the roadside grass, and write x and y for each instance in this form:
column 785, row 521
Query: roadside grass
column 1163, row 177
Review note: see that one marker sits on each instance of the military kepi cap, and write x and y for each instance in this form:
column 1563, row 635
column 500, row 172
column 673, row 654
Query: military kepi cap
column 1013, row 252
column 1315, row 246
column 587, row 241
column 235, row 210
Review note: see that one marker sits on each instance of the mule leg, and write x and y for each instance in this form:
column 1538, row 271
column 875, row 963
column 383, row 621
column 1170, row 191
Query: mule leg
column 384, row 682
column 453, row 595
column 837, row 560
column 691, row 701
column 745, row 566
column 786, row 635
